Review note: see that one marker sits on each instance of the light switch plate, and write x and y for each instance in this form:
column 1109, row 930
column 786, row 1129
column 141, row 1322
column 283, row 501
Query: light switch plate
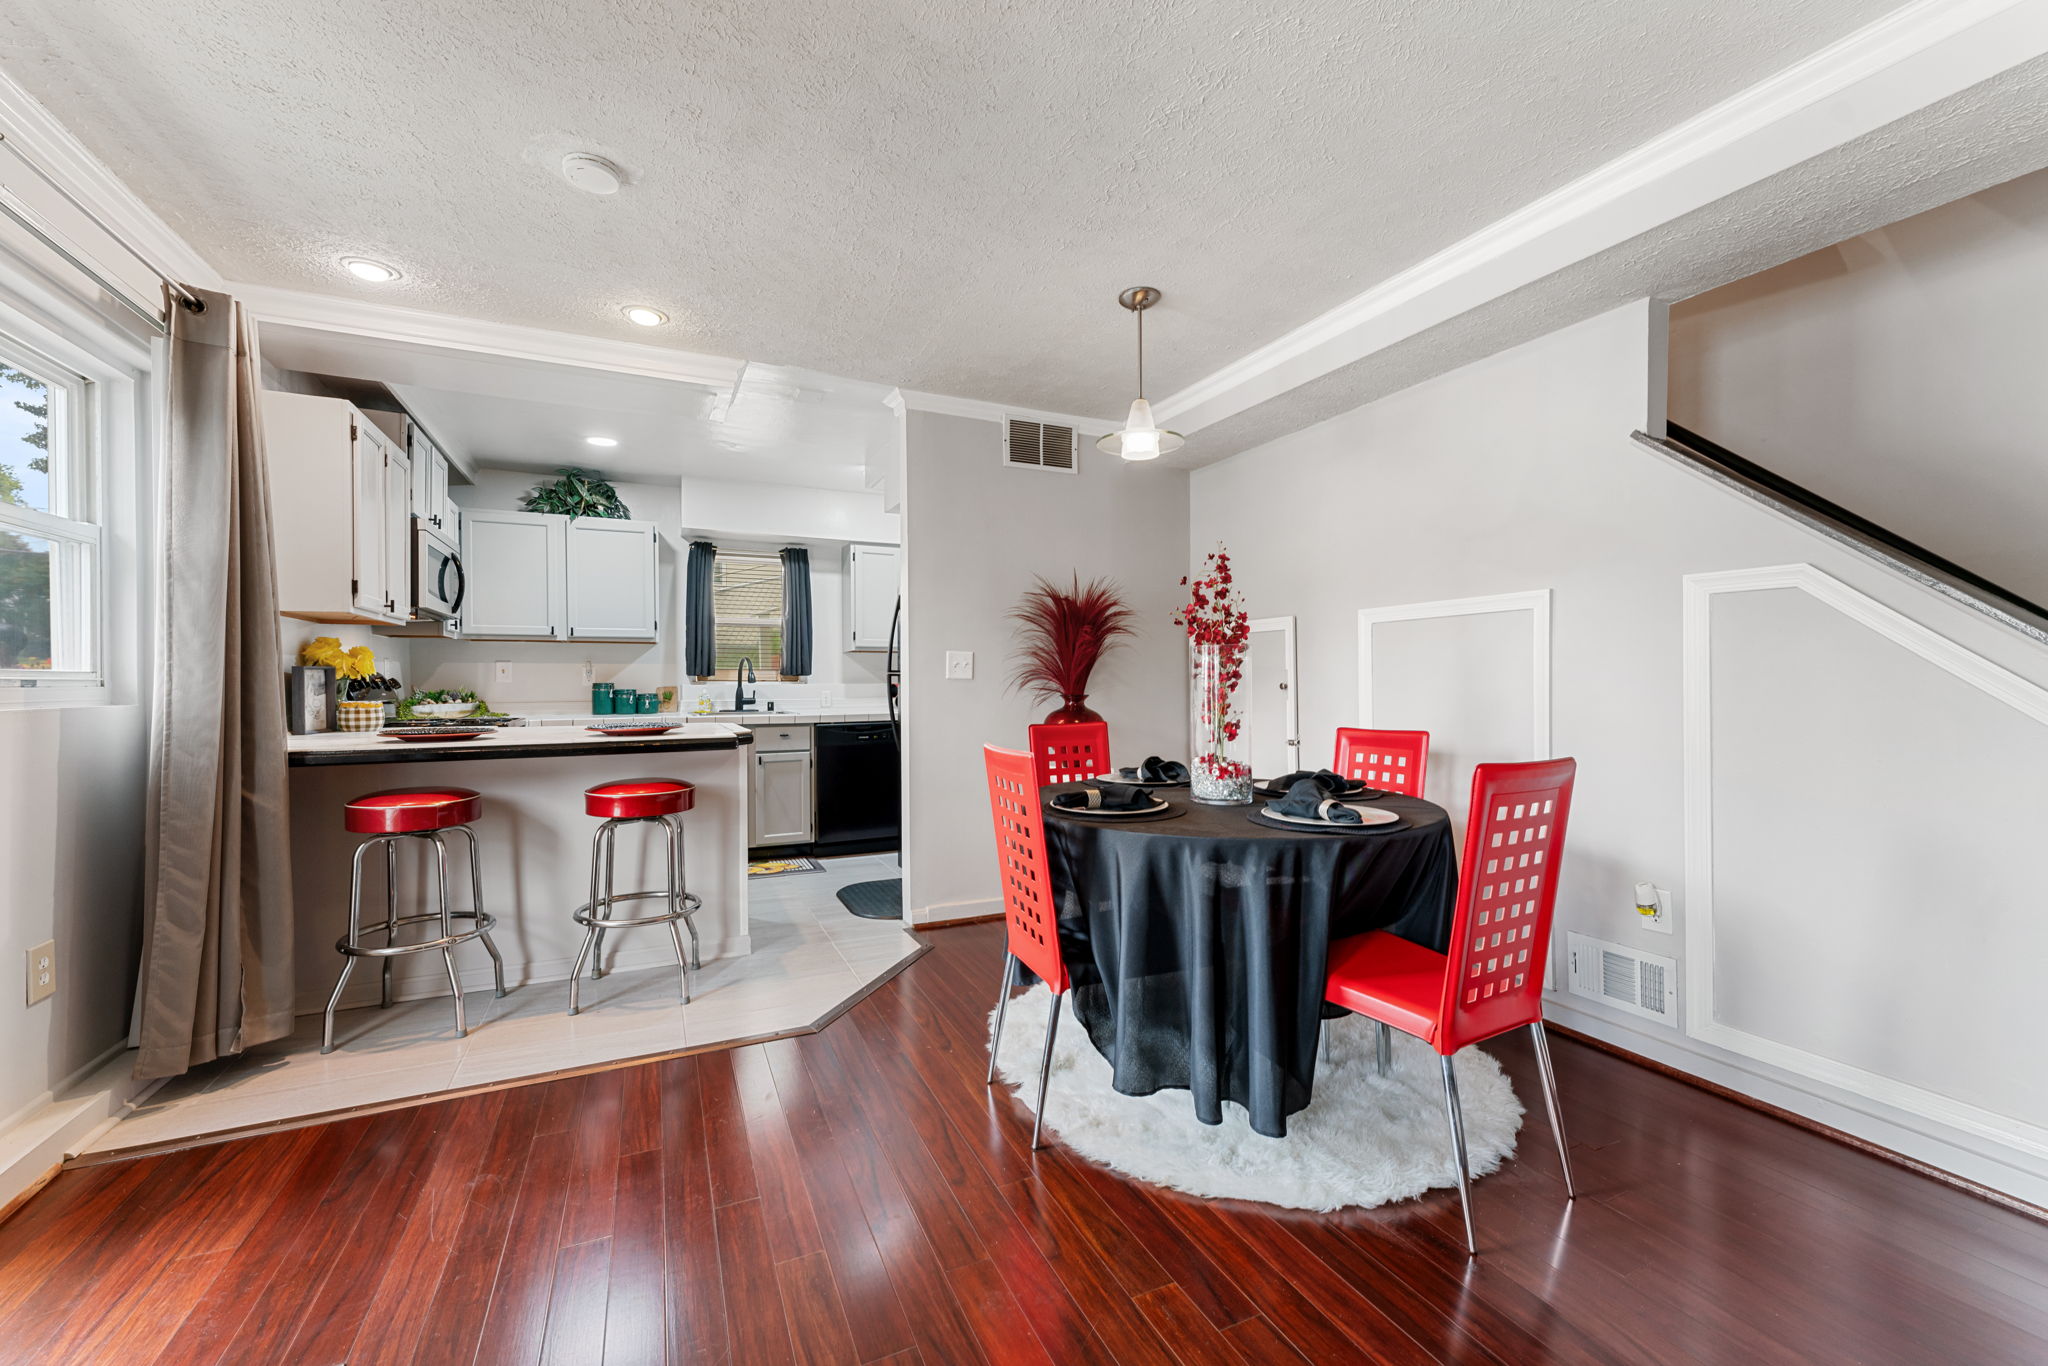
column 959, row 663
column 42, row 971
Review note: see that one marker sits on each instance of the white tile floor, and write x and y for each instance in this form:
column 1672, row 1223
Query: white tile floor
column 810, row 956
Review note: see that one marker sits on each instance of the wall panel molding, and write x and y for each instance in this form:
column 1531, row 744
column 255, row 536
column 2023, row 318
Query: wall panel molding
column 1996, row 681
column 1536, row 603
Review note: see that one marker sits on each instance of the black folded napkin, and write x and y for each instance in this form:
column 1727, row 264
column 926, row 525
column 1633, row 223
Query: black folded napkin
column 1156, row 770
column 1105, row 797
column 1307, row 799
column 1330, row 783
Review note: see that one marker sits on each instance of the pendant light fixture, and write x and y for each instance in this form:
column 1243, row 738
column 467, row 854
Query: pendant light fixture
column 1141, row 438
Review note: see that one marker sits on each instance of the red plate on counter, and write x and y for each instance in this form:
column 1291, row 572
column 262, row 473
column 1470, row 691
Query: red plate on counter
column 632, row 730
column 436, row 733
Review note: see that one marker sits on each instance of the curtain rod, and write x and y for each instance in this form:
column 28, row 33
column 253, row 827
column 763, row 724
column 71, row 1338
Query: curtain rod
column 171, row 282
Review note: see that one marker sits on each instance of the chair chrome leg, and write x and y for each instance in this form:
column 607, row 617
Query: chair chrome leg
column 476, row 903
column 675, row 901
column 1002, row 1008
column 1323, row 1041
column 1383, row 1048
column 390, row 913
column 448, row 930
column 611, row 845
column 1458, row 1151
column 1052, row 1029
column 589, row 934
column 348, row 962
column 683, row 882
column 1564, row 1160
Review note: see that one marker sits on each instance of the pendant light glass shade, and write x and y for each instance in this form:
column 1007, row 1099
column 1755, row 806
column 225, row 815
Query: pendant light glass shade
column 1141, row 438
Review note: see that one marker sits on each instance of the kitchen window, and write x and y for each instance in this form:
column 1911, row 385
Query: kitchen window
column 746, row 607
column 51, row 605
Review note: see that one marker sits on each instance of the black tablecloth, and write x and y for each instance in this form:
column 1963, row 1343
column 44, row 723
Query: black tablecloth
column 1198, row 946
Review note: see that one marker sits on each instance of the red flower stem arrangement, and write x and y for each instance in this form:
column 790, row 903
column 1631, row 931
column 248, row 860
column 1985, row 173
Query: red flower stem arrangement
column 1062, row 634
column 1218, row 626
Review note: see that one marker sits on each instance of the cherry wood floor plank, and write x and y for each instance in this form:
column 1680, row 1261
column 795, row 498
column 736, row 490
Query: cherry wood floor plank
column 1006, row 1333
column 1195, row 1340
column 695, row 1300
column 818, row 1327
column 70, row 1209
column 577, row 1304
column 515, row 1321
column 1107, row 1307
column 636, row 1314
column 600, row 1108
column 778, row 1173
column 754, row 1312
column 1260, row 1344
column 640, row 1112
column 724, row 1131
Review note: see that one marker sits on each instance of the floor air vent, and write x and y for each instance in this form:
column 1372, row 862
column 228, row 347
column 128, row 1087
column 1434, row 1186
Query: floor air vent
column 1627, row 979
column 1038, row 445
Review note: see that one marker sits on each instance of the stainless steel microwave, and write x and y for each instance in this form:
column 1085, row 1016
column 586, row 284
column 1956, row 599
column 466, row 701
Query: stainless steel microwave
column 438, row 583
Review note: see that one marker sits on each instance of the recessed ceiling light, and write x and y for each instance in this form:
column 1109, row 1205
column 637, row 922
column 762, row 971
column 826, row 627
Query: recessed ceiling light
column 600, row 441
column 645, row 316
column 375, row 272
column 592, row 174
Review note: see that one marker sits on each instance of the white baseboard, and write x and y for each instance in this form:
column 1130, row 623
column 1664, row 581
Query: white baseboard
column 39, row 1138
column 423, row 976
column 954, row 910
column 1912, row 1136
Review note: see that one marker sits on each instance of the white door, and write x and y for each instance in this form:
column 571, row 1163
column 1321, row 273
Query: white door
column 871, row 581
column 782, row 798
column 1271, row 710
column 612, row 592
column 370, row 566
column 515, row 563
column 397, row 521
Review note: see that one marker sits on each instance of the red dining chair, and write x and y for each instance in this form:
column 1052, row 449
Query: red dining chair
column 1028, row 906
column 1492, row 979
column 1393, row 760
column 1070, row 753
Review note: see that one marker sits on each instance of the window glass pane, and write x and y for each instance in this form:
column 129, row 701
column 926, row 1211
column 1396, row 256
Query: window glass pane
column 24, row 602
column 31, row 431
column 746, row 603
column 756, row 641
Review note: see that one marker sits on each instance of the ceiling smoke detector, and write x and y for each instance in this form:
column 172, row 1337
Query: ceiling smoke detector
column 592, row 174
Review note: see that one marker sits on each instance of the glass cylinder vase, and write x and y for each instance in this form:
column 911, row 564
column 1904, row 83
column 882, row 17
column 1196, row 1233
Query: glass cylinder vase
column 1218, row 776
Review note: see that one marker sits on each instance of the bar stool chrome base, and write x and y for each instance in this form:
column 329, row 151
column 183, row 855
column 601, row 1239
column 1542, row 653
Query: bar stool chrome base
column 683, row 905
column 352, row 947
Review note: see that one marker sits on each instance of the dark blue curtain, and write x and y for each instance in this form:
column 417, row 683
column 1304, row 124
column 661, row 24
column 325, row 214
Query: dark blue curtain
column 796, row 612
column 700, row 630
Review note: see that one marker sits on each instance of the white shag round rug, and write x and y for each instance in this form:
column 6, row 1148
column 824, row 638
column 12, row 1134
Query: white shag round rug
column 1364, row 1140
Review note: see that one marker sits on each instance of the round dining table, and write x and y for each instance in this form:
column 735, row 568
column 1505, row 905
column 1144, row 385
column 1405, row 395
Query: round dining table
column 1197, row 941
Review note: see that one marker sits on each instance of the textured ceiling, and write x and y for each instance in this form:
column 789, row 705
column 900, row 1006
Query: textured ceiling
column 942, row 196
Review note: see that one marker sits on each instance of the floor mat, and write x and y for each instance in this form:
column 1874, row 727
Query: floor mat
column 783, row 867
column 881, row 900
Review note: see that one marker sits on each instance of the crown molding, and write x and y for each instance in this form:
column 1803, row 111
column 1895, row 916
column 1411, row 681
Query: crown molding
column 1917, row 55
column 995, row 412
column 41, row 139
column 389, row 322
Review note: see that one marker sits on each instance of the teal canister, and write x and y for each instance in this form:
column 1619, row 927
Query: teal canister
column 625, row 701
column 601, row 699
column 650, row 702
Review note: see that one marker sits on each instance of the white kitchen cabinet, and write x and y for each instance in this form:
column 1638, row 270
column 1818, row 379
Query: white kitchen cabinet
column 539, row 576
column 516, row 564
column 430, row 500
column 871, row 586
column 340, row 504
column 780, row 812
column 611, row 579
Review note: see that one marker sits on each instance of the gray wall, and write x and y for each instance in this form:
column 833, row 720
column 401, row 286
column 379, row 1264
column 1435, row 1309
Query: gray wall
column 1898, row 373
column 1870, row 809
column 975, row 533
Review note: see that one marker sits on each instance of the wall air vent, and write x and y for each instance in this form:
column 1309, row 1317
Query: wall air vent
column 1039, row 445
column 1627, row 979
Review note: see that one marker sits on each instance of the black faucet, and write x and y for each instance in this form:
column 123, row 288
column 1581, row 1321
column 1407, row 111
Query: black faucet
column 742, row 700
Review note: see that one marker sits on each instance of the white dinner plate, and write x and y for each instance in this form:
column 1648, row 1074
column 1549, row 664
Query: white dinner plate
column 1367, row 815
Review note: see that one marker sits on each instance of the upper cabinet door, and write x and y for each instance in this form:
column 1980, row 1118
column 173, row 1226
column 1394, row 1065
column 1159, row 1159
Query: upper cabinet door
column 370, row 568
column 612, row 588
column 397, row 522
column 514, row 561
column 871, row 583
column 439, row 510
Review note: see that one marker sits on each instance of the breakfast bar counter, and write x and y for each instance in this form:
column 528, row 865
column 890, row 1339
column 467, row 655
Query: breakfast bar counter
column 534, row 838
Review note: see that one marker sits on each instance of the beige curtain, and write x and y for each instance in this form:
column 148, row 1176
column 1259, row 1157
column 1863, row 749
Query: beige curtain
column 217, row 938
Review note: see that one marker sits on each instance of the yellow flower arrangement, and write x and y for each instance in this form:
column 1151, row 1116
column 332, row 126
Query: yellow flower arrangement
column 358, row 663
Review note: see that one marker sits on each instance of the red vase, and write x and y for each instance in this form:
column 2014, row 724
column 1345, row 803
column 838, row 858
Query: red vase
column 1073, row 711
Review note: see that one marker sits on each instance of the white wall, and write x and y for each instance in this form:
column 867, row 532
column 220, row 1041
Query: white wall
column 1898, row 373
column 543, row 672
column 1869, row 807
column 729, row 509
column 975, row 534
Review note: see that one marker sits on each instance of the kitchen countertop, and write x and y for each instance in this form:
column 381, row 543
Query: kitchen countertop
column 796, row 716
column 509, row 742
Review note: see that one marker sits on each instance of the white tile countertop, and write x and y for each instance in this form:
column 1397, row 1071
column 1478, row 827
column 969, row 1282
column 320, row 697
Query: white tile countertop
column 506, row 741
column 795, row 716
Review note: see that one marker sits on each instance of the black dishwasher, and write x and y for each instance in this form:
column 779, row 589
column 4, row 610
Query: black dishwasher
column 860, row 796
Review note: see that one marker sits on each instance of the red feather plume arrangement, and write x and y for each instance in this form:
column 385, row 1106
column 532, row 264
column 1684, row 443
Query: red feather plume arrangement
column 1062, row 634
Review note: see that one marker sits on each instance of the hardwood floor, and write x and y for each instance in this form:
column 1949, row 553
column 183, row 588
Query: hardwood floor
column 858, row 1196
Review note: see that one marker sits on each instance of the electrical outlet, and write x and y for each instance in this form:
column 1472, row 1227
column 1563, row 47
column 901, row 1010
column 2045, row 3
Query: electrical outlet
column 959, row 664
column 1653, row 907
column 589, row 672
column 42, row 971
column 502, row 670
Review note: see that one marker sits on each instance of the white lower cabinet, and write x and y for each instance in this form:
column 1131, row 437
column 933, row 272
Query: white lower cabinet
column 538, row 576
column 781, row 806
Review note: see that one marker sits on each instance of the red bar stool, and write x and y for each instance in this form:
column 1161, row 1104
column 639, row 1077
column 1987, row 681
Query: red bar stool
column 662, row 801
column 420, row 813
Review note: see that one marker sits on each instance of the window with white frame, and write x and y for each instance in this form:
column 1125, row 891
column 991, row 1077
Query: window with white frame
column 746, row 605
column 50, row 537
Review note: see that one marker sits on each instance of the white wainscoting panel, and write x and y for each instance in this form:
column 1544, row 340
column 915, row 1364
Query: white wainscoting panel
column 1863, row 804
